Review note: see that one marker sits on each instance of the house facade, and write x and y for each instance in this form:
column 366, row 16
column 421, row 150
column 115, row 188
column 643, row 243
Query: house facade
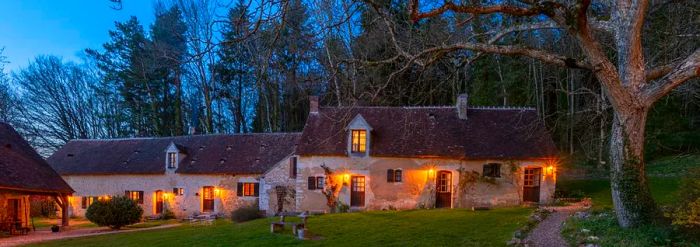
column 187, row 175
column 379, row 158
column 354, row 158
column 23, row 174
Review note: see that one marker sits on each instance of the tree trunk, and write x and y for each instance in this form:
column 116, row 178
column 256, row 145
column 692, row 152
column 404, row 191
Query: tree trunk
column 631, row 196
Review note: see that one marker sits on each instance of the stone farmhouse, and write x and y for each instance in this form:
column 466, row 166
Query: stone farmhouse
column 354, row 158
column 23, row 173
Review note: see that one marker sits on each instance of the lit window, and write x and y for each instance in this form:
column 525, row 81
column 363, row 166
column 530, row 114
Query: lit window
column 172, row 160
column 178, row 191
column 87, row 201
column 359, row 141
column 248, row 189
column 135, row 195
column 444, row 183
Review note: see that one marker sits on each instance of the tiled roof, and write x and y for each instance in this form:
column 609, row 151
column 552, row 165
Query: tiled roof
column 205, row 154
column 487, row 133
column 21, row 168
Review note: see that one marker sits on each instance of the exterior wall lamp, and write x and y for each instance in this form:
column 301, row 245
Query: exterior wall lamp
column 217, row 192
column 549, row 171
column 431, row 173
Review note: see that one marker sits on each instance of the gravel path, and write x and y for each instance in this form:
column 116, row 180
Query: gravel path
column 548, row 232
column 47, row 235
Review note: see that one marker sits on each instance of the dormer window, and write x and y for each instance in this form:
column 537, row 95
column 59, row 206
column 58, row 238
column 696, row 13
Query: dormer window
column 359, row 141
column 172, row 160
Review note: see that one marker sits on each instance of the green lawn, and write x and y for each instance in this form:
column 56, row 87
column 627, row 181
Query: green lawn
column 457, row 227
column 662, row 189
column 602, row 228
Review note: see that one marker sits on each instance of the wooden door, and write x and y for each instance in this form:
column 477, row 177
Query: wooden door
column 443, row 198
column 208, row 199
column 531, row 185
column 13, row 206
column 357, row 191
column 159, row 201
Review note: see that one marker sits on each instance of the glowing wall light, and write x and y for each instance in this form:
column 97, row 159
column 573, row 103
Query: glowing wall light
column 549, row 171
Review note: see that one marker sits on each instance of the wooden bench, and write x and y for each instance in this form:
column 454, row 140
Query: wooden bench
column 276, row 227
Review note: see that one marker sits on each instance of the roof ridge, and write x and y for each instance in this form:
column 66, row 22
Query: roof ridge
column 203, row 135
column 377, row 107
column 502, row 108
column 437, row 107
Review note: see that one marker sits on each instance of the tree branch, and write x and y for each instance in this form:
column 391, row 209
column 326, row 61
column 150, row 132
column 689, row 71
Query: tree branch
column 541, row 55
column 538, row 8
column 688, row 69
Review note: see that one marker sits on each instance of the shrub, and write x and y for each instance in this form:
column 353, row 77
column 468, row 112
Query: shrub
column 167, row 214
column 246, row 213
column 341, row 207
column 115, row 213
column 687, row 212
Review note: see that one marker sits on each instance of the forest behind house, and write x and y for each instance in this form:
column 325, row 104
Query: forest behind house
column 243, row 67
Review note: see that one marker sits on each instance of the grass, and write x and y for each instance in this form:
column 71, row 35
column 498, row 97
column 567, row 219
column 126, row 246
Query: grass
column 673, row 166
column 662, row 189
column 457, row 227
column 40, row 222
column 601, row 227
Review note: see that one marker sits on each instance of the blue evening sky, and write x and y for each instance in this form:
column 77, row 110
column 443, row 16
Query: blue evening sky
column 61, row 27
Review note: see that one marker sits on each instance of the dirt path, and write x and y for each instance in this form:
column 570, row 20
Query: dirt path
column 548, row 232
column 47, row 235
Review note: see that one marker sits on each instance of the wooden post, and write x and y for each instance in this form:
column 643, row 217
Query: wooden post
column 62, row 201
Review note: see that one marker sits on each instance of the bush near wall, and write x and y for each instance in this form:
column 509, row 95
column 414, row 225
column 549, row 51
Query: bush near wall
column 115, row 213
column 246, row 213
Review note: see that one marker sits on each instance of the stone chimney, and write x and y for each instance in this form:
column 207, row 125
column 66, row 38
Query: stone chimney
column 462, row 106
column 313, row 104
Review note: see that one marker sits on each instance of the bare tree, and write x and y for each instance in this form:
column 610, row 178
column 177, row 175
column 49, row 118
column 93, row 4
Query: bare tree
column 631, row 85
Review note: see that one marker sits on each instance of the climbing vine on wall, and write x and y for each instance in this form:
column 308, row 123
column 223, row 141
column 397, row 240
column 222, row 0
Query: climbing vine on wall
column 330, row 189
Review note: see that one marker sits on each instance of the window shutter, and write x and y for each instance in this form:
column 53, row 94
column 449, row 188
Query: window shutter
column 487, row 171
column 239, row 189
column 257, row 189
column 84, row 204
column 397, row 175
column 390, row 176
column 312, row 183
column 175, row 191
column 140, row 197
column 497, row 168
column 293, row 167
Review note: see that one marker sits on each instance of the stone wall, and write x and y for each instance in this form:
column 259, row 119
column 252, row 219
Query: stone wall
column 186, row 205
column 24, row 210
column 417, row 189
column 277, row 181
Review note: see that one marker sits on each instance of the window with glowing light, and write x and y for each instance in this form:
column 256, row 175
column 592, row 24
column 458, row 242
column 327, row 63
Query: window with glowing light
column 359, row 141
column 135, row 195
column 87, row 201
column 178, row 191
column 248, row 189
